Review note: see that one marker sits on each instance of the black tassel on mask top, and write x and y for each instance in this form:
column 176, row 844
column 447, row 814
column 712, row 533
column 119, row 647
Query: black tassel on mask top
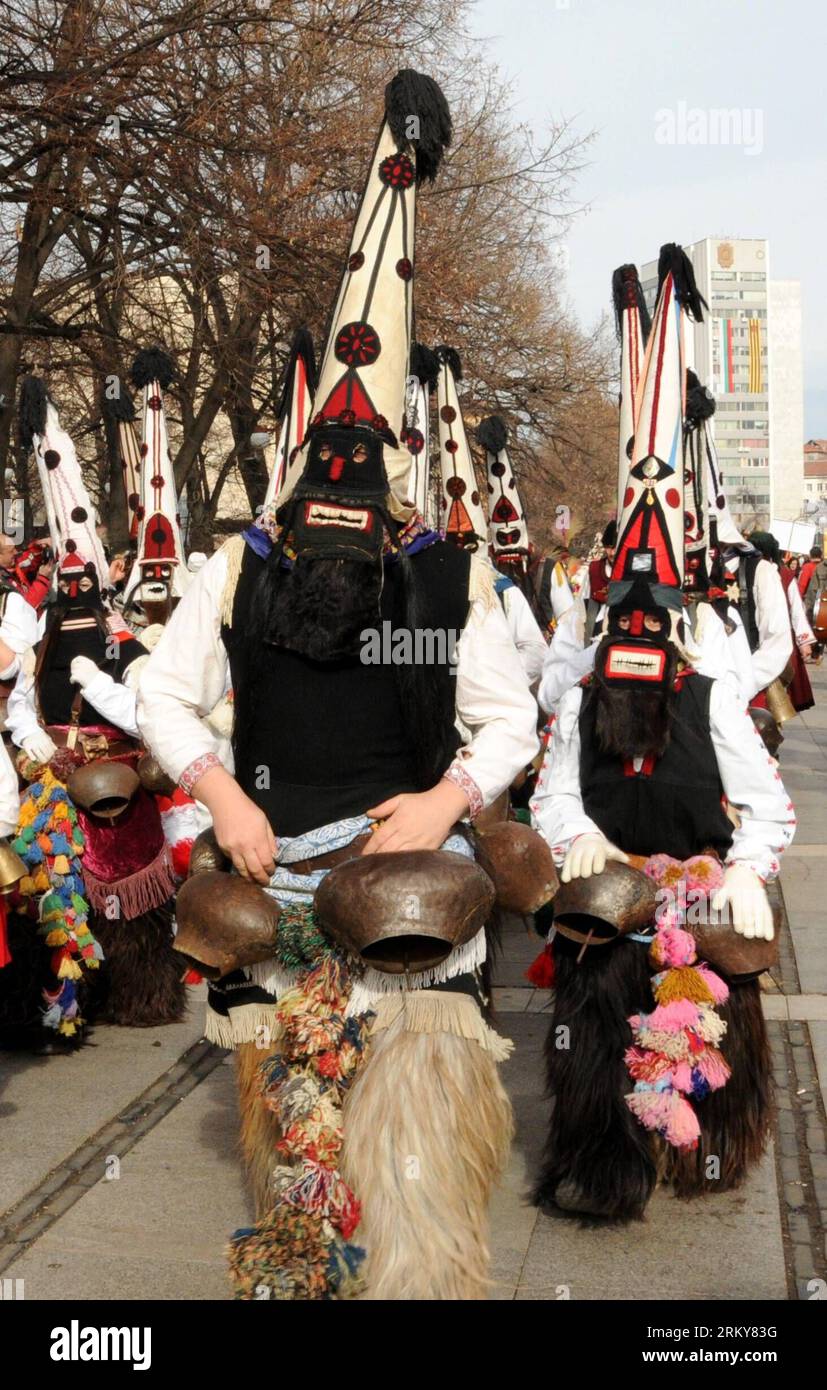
column 492, row 433
column 152, row 364
column 119, row 407
column 673, row 258
column 34, row 399
column 420, row 119
column 700, row 402
column 626, row 293
column 451, row 358
column 424, row 365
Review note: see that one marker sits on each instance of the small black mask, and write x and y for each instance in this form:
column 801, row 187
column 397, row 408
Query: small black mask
column 337, row 507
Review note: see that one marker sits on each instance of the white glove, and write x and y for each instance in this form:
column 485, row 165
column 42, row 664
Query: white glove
column 588, row 855
column 745, row 895
column 39, row 747
column 82, row 671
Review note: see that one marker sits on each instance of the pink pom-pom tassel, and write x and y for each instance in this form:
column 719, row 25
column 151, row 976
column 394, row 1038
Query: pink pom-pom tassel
column 713, row 1069
column 673, row 946
column 667, row 1113
column 672, row 1018
column 718, row 988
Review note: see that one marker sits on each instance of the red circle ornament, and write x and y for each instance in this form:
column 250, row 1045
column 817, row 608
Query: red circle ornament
column 357, row 345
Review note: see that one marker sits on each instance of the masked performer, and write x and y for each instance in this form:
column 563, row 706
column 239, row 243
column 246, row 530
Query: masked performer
column 799, row 690
column 509, row 545
column 713, row 631
column 338, row 754
column 658, row 1072
column 99, row 868
column 159, row 575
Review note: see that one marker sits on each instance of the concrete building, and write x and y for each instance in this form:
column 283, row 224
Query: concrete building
column 748, row 352
column 815, row 471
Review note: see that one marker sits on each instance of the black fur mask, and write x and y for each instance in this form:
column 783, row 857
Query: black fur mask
column 634, row 721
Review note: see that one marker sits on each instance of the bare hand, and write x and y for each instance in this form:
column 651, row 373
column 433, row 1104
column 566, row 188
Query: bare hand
column 417, row 820
column 241, row 828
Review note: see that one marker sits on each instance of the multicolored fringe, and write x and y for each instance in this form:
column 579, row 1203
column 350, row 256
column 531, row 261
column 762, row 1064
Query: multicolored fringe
column 302, row 1249
column 50, row 841
column 676, row 1055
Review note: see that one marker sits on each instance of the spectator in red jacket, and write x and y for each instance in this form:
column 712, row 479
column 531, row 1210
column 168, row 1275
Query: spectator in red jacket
column 807, row 569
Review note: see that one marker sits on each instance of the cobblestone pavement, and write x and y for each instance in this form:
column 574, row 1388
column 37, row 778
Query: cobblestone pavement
column 120, row 1177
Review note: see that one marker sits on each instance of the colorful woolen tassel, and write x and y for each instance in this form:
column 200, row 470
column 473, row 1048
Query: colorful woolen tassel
column 676, row 1055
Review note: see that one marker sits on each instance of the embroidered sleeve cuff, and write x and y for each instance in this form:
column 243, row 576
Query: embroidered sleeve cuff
column 196, row 771
column 457, row 774
column 765, row 869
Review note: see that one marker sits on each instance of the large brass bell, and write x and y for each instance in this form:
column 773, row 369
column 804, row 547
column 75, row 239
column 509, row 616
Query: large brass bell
column 12, row 868
column 405, row 911
column 599, row 909
column 103, row 787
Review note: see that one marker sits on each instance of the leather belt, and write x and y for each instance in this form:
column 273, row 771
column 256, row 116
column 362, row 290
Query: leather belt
column 94, row 745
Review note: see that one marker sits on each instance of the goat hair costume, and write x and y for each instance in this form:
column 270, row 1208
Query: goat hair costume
column 345, row 1070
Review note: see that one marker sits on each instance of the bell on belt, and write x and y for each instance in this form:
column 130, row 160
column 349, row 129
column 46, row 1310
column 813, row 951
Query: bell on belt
column 153, row 778
column 779, row 703
column 206, row 853
column 406, row 911
column 103, row 787
column 520, row 863
column 738, row 958
column 224, row 922
column 12, row 868
column 599, row 909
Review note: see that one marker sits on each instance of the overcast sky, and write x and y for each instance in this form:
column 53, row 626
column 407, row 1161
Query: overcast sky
column 616, row 66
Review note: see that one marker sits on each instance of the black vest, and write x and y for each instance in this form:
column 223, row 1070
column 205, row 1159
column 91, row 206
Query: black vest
column 55, row 691
column 329, row 738
column 677, row 809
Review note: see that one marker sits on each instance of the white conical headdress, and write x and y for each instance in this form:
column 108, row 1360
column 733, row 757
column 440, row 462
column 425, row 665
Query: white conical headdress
column 700, row 407
column 69, row 509
column 365, row 361
column 507, row 529
column 461, row 514
column 723, row 530
column 650, row 544
column 294, row 414
column 122, row 411
column 417, row 433
column 160, row 559
column 633, row 324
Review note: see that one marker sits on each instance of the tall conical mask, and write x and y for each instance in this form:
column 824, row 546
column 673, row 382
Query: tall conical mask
column 461, row 514
column 700, row 406
column 121, row 409
column 364, row 366
column 507, row 529
column 416, row 435
column 69, row 508
column 650, row 547
column 293, row 414
column 633, row 324
column 159, row 574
